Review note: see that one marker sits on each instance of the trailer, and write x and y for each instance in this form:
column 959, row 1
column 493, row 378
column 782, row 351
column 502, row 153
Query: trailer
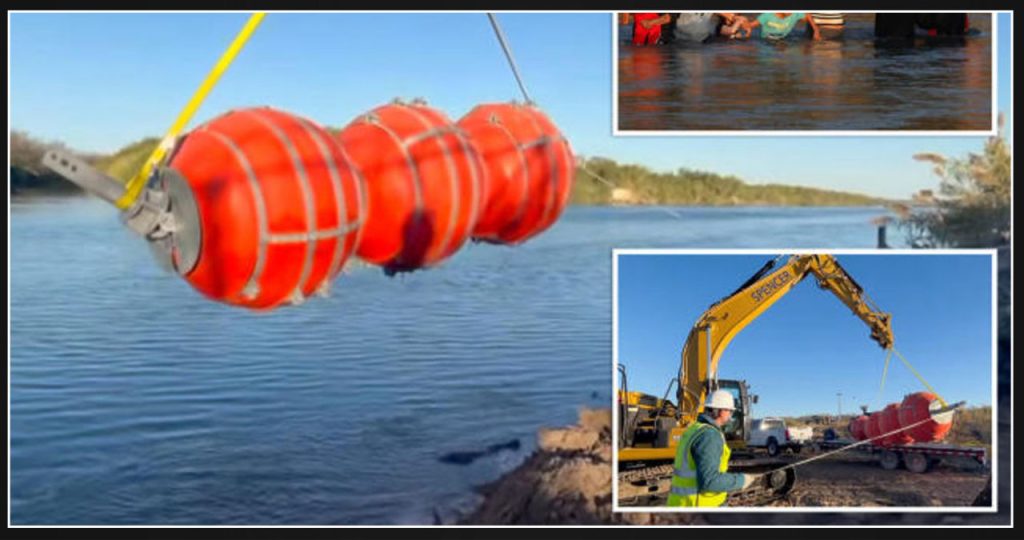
column 918, row 457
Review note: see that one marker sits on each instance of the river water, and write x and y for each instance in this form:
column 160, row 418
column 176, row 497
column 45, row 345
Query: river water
column 134, row 400
column 849, row 83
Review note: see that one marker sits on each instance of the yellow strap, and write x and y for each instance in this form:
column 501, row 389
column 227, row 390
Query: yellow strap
column 919, row 377
column 135, row 185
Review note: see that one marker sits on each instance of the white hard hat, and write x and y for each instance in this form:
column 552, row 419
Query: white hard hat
column 720, row 399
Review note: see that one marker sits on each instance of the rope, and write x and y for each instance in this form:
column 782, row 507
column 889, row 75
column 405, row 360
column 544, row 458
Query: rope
column 583, row 167
column 508, row 56
column 595, row 176
column 137, row 182
column 919, row 377
column 885, row 370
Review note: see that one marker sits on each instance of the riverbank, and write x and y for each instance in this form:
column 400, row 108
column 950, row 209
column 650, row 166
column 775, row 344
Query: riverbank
column 603, row 181
column 567, row 481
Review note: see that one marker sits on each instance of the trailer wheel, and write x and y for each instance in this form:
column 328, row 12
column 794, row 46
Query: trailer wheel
column 918, row 463
column 773, row 447
column 890, row 460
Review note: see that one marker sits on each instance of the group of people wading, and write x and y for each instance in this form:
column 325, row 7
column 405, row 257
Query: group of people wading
column 700, row 27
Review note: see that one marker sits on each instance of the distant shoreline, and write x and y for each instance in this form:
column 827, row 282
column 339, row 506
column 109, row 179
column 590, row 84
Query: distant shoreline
column 34, row 194
column 727, row 205
column 599, row 181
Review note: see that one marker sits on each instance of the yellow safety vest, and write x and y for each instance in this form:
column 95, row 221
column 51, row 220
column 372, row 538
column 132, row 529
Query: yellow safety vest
column 684, row 478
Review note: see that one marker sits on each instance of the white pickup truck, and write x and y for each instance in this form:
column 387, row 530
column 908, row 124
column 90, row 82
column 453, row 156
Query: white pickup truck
column 773, row 435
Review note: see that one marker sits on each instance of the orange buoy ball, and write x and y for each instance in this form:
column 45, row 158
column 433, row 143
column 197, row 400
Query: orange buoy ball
column 531, row 169
column 872, row 428
column 424, row 185
column 856, row 428
column 921, row 406
column 278, row 207
column 889, row 421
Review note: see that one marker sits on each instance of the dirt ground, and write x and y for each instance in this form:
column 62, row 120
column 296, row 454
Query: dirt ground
column 858, row 480
column 568, row 481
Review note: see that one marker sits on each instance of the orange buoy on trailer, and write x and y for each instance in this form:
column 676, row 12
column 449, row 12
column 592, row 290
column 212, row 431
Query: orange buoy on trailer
column 921, row 406
column 424, row 185
column 889, row 421
column 857, row 426
column 872, row 428
column 531, row 170
column 278, row 207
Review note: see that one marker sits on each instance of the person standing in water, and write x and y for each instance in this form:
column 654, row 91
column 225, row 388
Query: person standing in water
column 698, row 27
column 778, row 26
column 830, row 24
column 647, row 27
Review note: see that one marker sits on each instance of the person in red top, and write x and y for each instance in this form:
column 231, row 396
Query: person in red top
column 647, row 27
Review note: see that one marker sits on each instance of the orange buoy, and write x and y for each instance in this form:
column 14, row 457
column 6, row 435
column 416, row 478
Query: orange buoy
column 531, row 170
column 424, row 185
column 889, row 421
column 922, row 406
column 872, row 428
column 278, row 207
column 856, row 427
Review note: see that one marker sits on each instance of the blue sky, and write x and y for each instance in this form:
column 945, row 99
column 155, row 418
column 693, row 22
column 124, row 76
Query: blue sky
column 98, row 81
column 809, row 346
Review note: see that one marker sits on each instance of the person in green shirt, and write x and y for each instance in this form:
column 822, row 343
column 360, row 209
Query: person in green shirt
column 777, row 26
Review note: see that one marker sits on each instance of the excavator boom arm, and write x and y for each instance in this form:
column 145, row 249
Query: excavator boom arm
column 833, row 277
column 723, row 320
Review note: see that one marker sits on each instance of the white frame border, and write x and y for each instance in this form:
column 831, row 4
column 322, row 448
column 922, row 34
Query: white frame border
column 993, row 457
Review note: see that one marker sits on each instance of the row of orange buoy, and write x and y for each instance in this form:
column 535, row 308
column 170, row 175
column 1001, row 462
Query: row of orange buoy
column 918, row 408
column 283, row 203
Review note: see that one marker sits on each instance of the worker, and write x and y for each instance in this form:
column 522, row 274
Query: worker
column 702, row 458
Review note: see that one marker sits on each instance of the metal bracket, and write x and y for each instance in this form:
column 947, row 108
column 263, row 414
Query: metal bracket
column 83, row 175
column 165, row 213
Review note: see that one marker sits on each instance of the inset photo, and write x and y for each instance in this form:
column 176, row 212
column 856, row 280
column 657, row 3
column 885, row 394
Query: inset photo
column 810, row 381
column 825, row 72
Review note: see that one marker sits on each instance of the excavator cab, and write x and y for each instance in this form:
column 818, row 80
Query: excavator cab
column 648, row 422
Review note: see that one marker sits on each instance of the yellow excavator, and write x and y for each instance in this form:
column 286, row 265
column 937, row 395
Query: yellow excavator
column 649, row 428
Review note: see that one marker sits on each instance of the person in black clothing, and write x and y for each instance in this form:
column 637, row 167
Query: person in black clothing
column 904, row 25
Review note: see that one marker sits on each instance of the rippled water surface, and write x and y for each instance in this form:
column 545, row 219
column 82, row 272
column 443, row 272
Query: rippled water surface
column 134, row 400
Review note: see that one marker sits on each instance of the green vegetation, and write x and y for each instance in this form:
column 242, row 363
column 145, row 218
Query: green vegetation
column 26, row 173
column 127, row 161
column 973, row 205
column 972, row 427
column 28, row 177
column 637, row 185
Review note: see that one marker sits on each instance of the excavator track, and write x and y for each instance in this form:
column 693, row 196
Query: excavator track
column 649, row 486
column 772, row 486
